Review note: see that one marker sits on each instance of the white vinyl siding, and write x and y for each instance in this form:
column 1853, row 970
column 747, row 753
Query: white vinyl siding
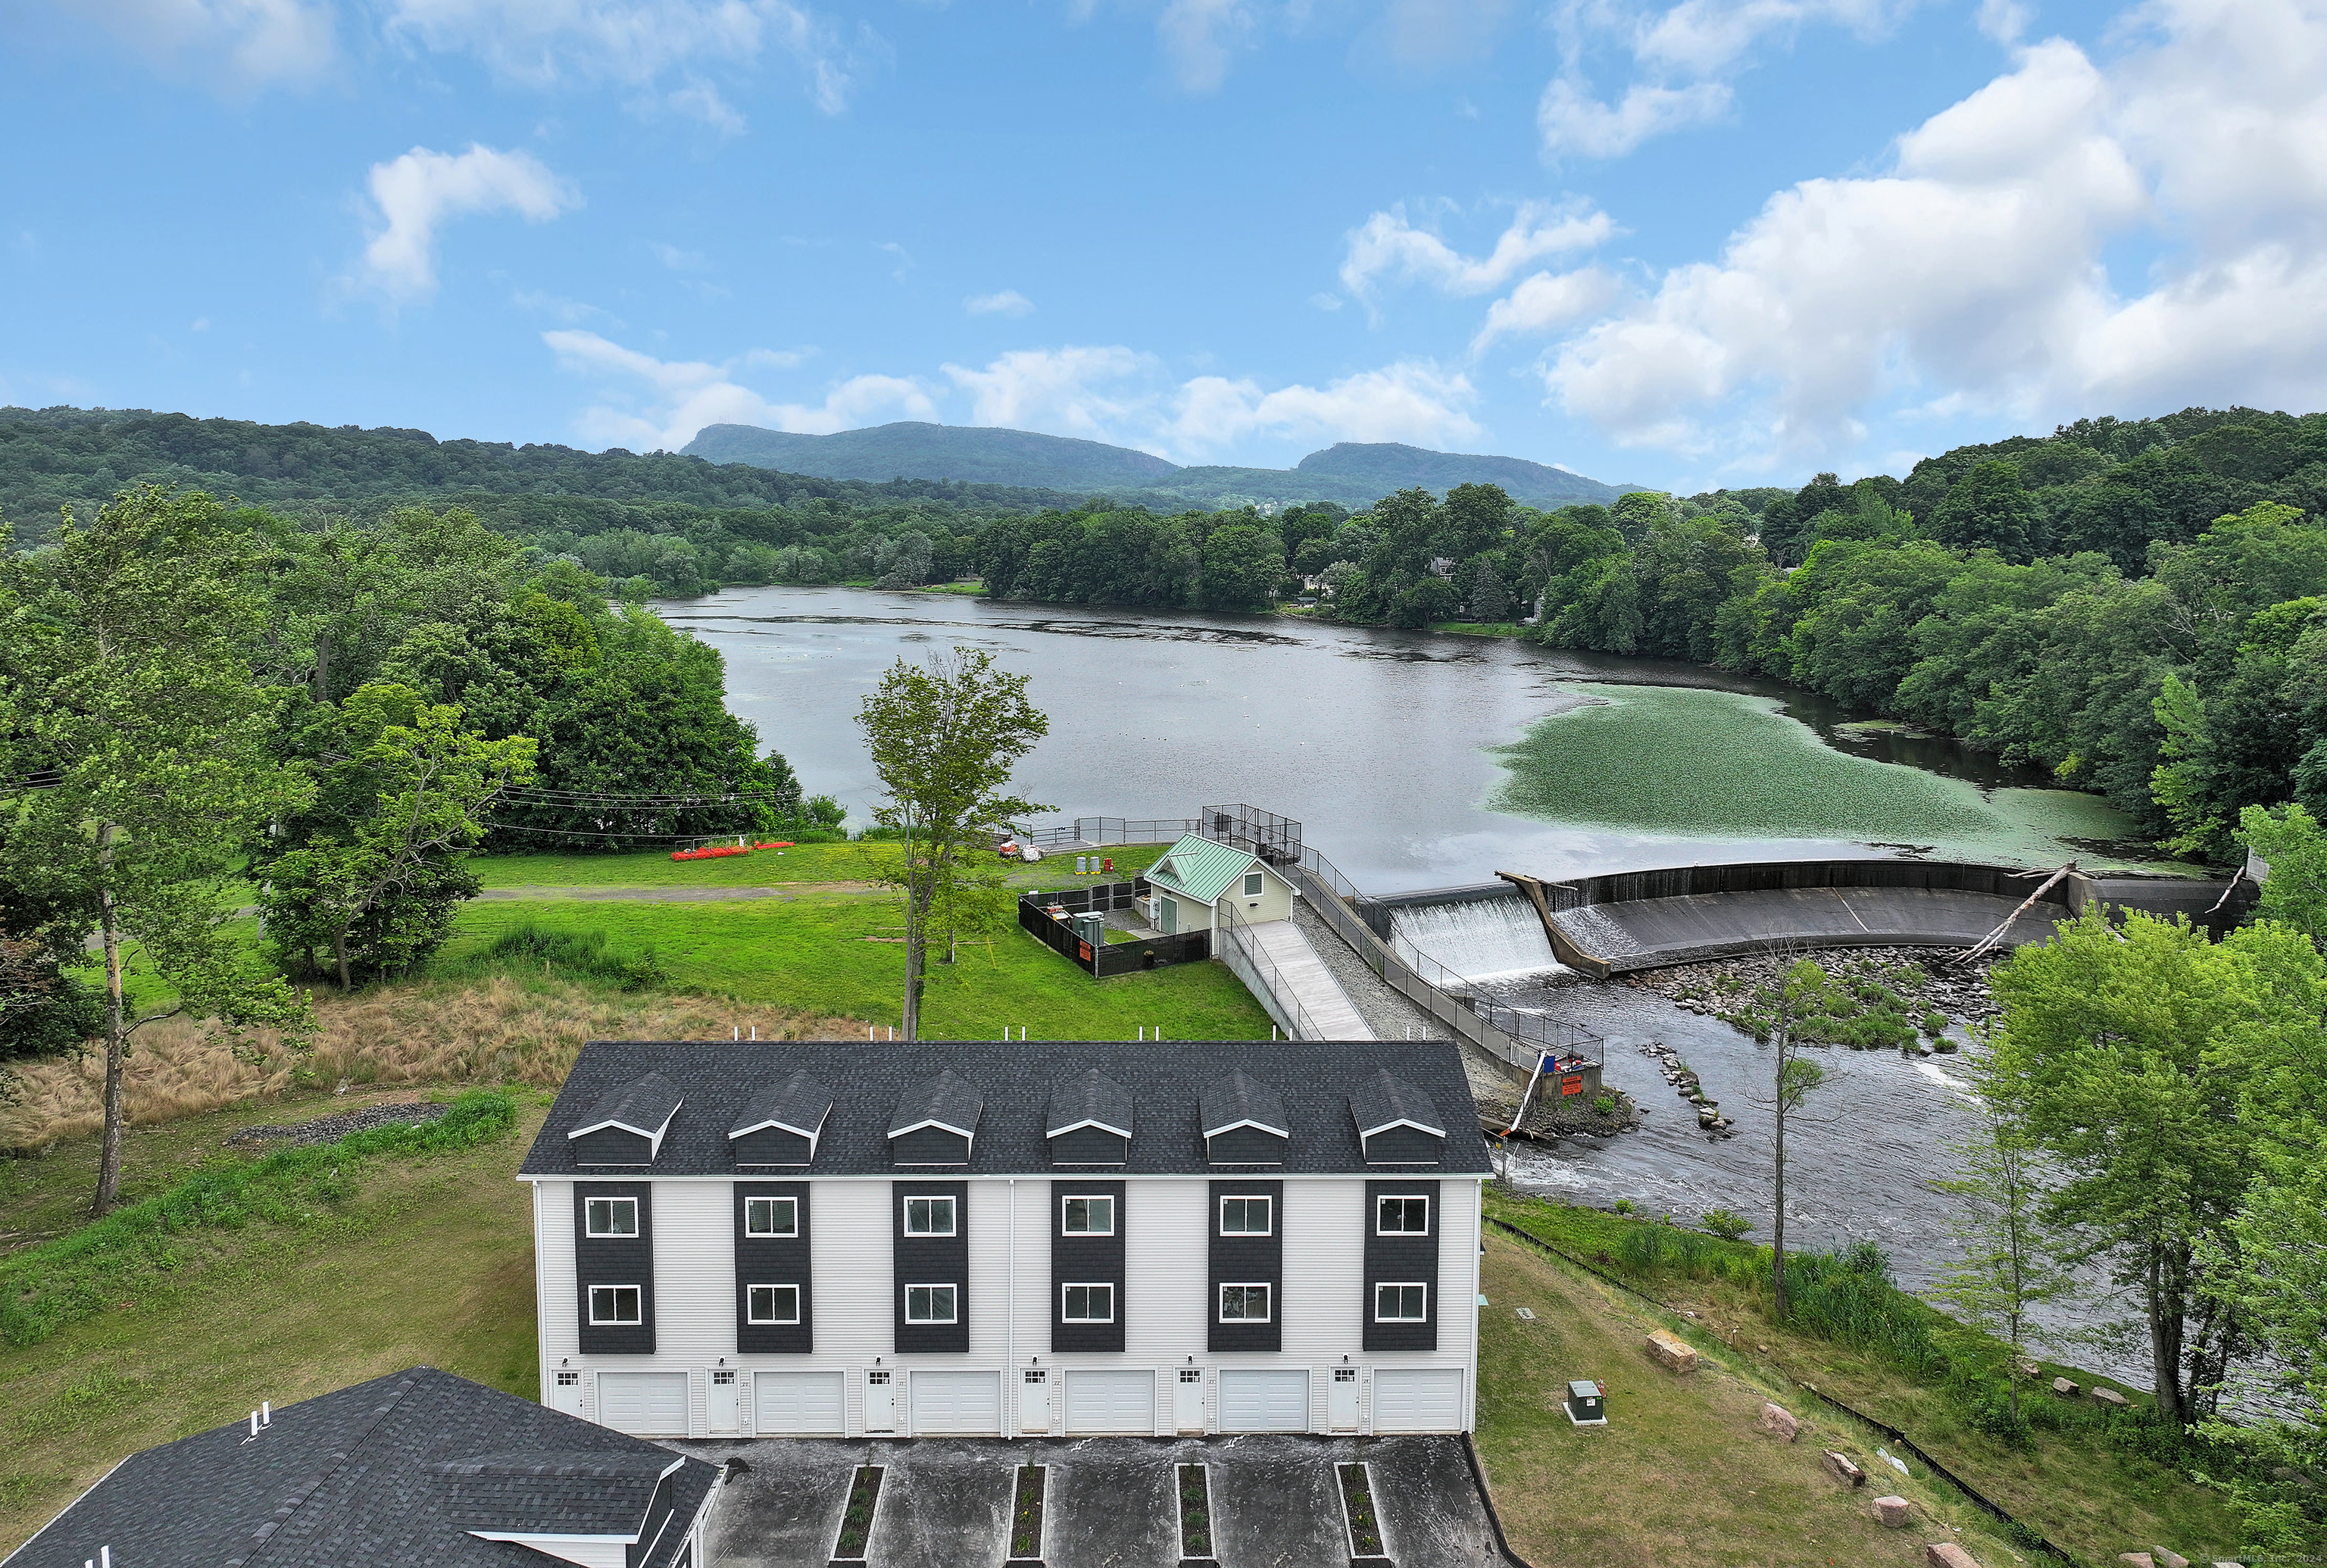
column 1418, row 1399
column 798, row 1404
column 1264, row 1399
column 643, row 1403
column 955, row 1402
column 1110, row 1402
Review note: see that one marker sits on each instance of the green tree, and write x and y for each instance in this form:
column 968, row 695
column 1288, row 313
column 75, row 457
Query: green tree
column 1782, row 1015
column 126, row 647
column 1987, row 509
column 2291, row 842
column 945, row 738
column 375, row 867
column 1244, row 563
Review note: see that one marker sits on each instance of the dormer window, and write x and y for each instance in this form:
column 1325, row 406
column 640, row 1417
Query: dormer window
column 627, row 1125
column 1089, row 1122
column 1396, row 1122
column 1243, row 1123
column 779, row 1127
column 936, row 1123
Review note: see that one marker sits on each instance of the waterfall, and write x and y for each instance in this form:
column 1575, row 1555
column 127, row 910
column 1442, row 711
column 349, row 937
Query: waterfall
column 1481, row 938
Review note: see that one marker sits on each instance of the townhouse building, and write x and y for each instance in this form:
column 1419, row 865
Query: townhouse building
column 1031, row 1238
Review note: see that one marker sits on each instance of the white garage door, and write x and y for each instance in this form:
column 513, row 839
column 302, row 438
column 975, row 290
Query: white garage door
column 957, row 1401
column 1111, row 1402
column 1253, row 1400
column 1418, row 1399
column 649, row 1403
column 797, row 1404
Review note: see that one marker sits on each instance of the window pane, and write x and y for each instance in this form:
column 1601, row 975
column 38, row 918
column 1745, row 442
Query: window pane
column 929, row 1217
column 1400, row 1303
column 1244, row 1216
column 612, row 1216
column 770, row 1217
column 774, row 1304
column 1251, row 883
column 1090, row 1217
column 613, row 1303
column 1244, row 1303
column 1089, row 1304
column 1405, row 1216
column 929, row 1304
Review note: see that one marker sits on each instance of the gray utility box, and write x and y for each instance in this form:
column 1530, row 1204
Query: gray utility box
column 1587, row 1403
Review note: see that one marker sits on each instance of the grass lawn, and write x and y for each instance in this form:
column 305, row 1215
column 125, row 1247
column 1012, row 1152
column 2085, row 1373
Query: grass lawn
column 2084, row 1494
column 842, row 954
column 431, row 1261
column 809, row 863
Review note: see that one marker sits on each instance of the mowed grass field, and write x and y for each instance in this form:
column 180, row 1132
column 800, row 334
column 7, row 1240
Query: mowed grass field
column 807, row 862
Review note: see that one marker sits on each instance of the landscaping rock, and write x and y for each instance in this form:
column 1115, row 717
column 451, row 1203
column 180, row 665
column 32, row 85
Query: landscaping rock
column 1947, row 1554
column 2168, row 1559
column 2064, row 1389
column 1840, row 1467
column 1890, row 1512
column 1778, row 1422
column 1672, row 1352
column 2138, row 1559
column 2112, row 1398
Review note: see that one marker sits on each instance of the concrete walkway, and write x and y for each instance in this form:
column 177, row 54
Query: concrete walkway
column 1312, row 983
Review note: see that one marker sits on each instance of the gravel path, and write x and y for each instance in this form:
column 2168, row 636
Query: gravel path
column 325, row 1129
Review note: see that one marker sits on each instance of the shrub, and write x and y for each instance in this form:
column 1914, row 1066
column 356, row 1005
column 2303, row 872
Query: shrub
column 1724, row 1224
column 1642, row 1247
column 1604, row 1104
column 576, row 955
column 1623, row 1206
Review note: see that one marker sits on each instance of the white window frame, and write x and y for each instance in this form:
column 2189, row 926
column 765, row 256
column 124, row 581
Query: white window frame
column 751, row 1306
column 1066, row 1314
column 1253, row 883
column 1268, row 1207
column 590, row 1218
column 1066, row 1210
column 1420, row 1286
column 1267, row 1299
column 952, row 1299
column 1387, row 1199
column 952, row 1216
column 792, row 1209
column 638, row 1296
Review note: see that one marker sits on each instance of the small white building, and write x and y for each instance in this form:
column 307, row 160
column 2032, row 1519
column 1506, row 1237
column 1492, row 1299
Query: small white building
column 1044, row 1238
column 1197, row 875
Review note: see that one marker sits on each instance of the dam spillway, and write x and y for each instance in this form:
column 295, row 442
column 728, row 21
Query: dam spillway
column 1478, row 939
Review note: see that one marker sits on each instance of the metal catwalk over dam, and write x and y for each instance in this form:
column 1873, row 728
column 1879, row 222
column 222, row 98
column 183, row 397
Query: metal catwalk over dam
column 1604, row 925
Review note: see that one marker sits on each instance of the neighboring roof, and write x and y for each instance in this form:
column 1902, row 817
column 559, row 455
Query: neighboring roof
column 1382, row 1100
column 1092, row 1100
column 1304, row 1085
column 1237, row 1101
column 1202, row 869
column 371, row 1474
column 797, row 1105
column 643, row 1106
column 945, row 1100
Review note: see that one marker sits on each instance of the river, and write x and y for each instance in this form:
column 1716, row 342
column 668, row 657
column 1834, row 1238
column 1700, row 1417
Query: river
column 1417, row 762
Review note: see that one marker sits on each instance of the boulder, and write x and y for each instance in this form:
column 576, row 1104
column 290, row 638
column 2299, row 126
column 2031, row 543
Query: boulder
column 1839, row 1466
column 2166, row 1559
column 1947, row 1554
column 2111, row 1397
column 1890, row 1512
column 1779, row 1423
column 2064, row 1389
column 2138, row 1559
column 1671, row 1352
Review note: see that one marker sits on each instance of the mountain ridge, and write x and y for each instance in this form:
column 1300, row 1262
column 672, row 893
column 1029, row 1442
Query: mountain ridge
column 1350, row 473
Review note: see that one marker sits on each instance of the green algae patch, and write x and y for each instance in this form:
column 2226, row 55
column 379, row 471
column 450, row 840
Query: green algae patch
column 1693, row 762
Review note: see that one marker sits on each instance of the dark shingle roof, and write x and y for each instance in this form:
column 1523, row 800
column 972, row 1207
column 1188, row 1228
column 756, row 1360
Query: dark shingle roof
column 356, row 1475
column 1305, row 1085
column 944, row 1099
column 1383, row 1100
column 797, row 1105
column 1237, row 1099
column 642, row 1106
column 1093, row 1099
column 548, row 1492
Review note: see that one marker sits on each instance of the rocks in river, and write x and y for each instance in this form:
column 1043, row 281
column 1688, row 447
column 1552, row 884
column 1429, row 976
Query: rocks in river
column 1926, row 977
column 1684, row 1080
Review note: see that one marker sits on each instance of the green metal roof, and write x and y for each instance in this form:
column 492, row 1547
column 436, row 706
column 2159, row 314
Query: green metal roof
column 1200, row 868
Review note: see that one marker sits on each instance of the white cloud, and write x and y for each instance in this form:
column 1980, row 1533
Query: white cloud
column 1058, row 390
column 660, row 404
column 1200, row 37
column 639, row 44
column 1386, row 245
column 1546, row 302
column 1325, row 299
column 1410, row 401
column 248, row 44
column 1008, row 303
column 1973, row 274
column 678, row 260
column 1706, row 37
column 414, row 195
column 1574, row 123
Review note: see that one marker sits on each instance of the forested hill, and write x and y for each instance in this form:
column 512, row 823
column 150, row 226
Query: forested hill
column 52, row 456
column 1349, row 474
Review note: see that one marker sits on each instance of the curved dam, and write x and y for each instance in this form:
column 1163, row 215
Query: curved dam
column 1628, row 921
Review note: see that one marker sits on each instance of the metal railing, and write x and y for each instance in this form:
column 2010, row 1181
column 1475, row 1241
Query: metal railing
column 1241, row 951
column 1096, row 831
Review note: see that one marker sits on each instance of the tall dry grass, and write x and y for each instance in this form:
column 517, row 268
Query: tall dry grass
column 489, row 1031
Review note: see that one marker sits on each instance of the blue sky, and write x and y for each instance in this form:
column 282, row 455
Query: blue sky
column 1717, row 241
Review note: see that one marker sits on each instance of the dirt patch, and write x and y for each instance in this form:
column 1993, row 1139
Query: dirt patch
column 324, row 1129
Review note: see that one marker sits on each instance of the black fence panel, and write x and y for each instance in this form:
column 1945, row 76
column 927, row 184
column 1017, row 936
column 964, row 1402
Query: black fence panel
column 1104, row 958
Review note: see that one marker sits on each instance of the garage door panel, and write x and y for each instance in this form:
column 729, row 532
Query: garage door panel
column 1110, row 1402
column 1256, row 1399
column 798, row 1404
column 648, row 1404
column 957, row 1401
column 1418, row 1399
